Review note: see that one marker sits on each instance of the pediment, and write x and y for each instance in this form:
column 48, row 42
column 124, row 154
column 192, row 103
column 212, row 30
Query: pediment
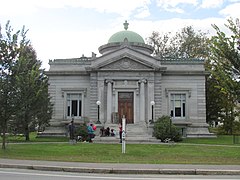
column 125, row 59
column 125, row 64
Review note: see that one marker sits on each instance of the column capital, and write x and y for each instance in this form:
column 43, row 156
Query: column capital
column 144, row 81
column 108, row 81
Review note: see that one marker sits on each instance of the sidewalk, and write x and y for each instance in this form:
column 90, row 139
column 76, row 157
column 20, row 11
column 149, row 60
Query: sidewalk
column 122, row 168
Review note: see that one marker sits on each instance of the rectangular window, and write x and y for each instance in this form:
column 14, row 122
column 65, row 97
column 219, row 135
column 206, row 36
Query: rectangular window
column 178, row 102
column 74, row 105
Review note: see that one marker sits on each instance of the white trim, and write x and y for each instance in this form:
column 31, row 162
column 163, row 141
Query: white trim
column 186, row 91
column 65, row 105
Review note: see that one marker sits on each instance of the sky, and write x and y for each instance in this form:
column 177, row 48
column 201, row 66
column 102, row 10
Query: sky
column 72, row 28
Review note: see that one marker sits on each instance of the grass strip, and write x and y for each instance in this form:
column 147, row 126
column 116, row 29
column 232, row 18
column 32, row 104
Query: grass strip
column 135, row 153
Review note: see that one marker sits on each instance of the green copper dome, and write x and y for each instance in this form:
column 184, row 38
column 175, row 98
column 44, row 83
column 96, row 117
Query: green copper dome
column 130, row 35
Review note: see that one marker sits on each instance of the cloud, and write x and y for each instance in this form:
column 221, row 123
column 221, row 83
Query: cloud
column 211, row 3
column 69, row 47
column 15, row 7
column 172, row 5
column 234, row 0
column 75, row 41
column 122, row 7
column 142, row 12
column 231, row 10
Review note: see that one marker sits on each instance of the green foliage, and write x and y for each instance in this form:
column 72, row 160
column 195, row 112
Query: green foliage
column 215, row 101
column 236, row 127
column 10, row 44
column 187, row 43
column 82, row 131
column 32, row 87
column 223, row 130
column 24, row 97
column 163, row 129
column 223, row 87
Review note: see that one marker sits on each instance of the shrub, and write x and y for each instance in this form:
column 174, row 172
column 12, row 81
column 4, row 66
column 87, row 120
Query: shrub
column 221, row 130
column 82, row 131
column 163, row 129
column 236, row 127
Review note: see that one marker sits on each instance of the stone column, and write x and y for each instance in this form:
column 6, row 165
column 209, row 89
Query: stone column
column 142, row 100
column 150, row 96
column 101, row 99
column 109, row 100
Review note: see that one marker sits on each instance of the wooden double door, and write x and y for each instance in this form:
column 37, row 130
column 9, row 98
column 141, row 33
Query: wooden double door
column 125, row 106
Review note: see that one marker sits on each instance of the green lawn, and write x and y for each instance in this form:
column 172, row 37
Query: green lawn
column 33, row 138
column 135, row 153
column 219, row 150
column 221, row 139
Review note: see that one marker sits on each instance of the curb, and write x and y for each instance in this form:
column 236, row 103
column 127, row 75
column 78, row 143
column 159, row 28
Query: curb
column 123, row 171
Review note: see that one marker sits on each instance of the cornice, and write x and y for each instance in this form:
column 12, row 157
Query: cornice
column 66, row 73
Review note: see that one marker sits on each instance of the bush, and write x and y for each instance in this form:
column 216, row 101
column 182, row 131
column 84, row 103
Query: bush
column 82, row 131
column 221, row 130
column 163, row 129
column 236, row 127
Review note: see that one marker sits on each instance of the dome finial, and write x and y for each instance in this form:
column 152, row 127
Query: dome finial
column 126, row 25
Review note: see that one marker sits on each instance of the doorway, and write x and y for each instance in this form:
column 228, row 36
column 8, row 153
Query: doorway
column 125, row 106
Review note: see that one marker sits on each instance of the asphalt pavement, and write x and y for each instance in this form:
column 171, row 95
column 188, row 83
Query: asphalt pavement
column 122, row 168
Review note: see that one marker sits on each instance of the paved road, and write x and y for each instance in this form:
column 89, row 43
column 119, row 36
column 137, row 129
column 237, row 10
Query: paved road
column 23, row 174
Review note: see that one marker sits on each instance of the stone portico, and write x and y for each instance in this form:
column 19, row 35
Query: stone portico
column 126, row 78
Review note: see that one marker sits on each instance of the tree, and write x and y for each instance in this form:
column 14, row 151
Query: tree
column 189, row 43
column 185, row 44
column 34, row 107
column 215, row 101
column 226, row 48
column 9, row 52
column 225, row 69
column 24, row 95
column 160, row 42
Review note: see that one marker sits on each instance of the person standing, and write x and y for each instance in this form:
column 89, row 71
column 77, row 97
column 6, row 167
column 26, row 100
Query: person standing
column 120, row 132
column 90, row 132
column 71, row 129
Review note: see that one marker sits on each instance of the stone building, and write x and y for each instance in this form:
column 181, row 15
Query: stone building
column 128, row 80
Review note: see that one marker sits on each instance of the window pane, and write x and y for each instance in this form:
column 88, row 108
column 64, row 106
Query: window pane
column 183, row 109
column 68, row 111
column 68, row 108
column 80, row 108
column 171, row 108
column 183, row 97
column 74, row 96
column 177, row 96
column 74, row 107
column 177, row 103
column 178, row 112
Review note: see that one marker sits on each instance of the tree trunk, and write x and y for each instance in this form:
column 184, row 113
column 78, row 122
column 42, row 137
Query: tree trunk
column 27, row 133
column 232, row 119
column 4, row 138
column 26, row 120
